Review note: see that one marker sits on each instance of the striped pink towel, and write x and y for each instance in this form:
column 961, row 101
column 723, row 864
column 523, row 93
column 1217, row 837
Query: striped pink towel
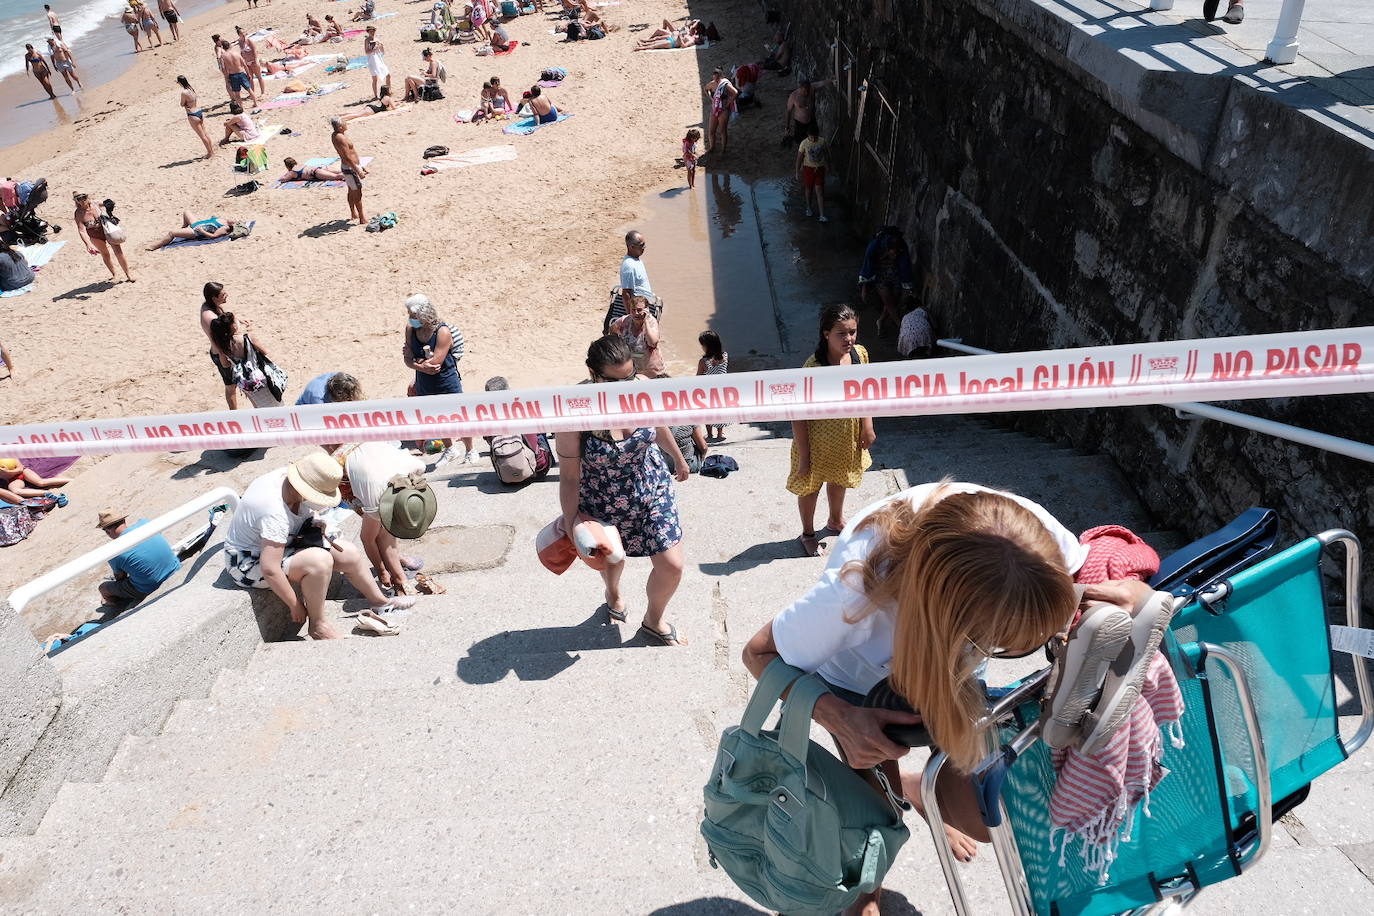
column 1095, row 797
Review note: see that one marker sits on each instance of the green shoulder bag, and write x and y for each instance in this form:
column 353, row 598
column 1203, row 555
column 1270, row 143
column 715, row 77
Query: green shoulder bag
column 794, row 827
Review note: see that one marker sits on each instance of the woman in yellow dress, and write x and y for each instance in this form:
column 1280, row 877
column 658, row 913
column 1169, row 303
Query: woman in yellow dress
column 830, row 452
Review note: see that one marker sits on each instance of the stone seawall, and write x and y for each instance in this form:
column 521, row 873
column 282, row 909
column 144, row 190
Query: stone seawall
column 1058, row 192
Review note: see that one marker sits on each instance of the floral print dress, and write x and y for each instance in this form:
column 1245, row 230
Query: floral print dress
column 627, row 484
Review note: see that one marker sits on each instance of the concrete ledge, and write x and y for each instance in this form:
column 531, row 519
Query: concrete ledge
column 74, row 709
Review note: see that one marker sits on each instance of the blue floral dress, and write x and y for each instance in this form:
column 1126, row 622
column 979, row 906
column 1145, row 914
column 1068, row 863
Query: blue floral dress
column 627, row 484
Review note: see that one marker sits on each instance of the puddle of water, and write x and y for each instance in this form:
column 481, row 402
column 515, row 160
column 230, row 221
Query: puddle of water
column 705, row 259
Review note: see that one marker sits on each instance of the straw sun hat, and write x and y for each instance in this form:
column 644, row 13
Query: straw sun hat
column 108, row 518
column 316, row 478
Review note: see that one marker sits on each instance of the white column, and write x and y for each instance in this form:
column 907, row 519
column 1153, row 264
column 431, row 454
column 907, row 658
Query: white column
column 1283, row 49
column 1161, row 4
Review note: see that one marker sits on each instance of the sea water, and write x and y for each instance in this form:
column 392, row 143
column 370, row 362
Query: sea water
column 24, row 22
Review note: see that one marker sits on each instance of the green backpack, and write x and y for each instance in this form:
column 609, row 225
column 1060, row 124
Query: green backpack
column 795, row 828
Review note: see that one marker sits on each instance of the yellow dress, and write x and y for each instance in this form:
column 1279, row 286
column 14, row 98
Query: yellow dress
column 835, row 454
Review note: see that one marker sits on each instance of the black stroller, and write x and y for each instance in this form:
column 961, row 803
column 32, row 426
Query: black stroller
column 23, row 225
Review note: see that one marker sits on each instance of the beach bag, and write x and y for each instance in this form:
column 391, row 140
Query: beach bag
column 114, row 233
column 16, row 523
column 553, row 74
column 433, row 151
column 273, row 376
column 793, row 826
column 574, row 30
column 512, row 458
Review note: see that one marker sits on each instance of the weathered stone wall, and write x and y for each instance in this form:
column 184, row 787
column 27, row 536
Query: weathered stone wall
column 1059, row 194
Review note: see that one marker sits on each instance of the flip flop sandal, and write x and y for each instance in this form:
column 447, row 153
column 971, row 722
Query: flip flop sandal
column 813, row 549
column 667, row 639
column 369, row 624
column 61, row 500
column 616, row 616
column 414, row 564
column 425, row 585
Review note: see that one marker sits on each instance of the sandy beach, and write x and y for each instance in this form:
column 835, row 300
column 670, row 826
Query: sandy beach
column 519, row 254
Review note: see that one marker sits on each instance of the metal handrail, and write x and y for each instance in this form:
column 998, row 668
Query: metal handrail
column 1283, row 47
column 21, row 596
column 1191, row 409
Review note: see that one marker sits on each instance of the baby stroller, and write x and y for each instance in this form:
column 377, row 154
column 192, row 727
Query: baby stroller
column 23, row 225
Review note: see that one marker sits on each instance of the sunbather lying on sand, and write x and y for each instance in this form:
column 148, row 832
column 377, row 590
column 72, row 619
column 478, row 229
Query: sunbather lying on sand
column 296, row 172
column 199, row 229
column 18, row 482
column 286, row 66
column 384, row 103
column 669, row 37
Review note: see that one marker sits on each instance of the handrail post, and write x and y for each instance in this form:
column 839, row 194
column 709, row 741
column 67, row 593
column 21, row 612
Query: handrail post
column 1161, row 4
column 1283, row 48
column 21, row 596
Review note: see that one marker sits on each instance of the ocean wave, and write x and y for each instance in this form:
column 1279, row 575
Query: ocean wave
column 32, row 28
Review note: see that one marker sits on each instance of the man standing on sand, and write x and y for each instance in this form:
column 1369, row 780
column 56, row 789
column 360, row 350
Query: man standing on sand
column 634, row 279
column 353, row 171
column 236, row 73
column 169, row 11
column 801, row 111
column 53, row 22
column 249, row 49
column 129, row 19
column 64, row 63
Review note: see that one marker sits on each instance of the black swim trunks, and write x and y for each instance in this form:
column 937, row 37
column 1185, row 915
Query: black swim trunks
column 170, row 16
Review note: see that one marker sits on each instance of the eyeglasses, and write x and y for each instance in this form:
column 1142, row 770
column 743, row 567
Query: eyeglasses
column 611, row 378
column 999, row 653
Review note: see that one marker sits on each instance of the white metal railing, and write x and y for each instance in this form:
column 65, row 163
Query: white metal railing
column 21, row 596
column 1193, row 410
column 1283, row 47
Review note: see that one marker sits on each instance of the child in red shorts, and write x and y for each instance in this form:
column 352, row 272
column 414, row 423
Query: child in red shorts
column 811, row 159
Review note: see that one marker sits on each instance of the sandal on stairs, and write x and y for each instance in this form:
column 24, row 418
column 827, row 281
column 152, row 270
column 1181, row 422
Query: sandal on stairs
column 369, row 624
column 668, row 639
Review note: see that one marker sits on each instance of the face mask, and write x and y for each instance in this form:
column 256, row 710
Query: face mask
column 415, row 323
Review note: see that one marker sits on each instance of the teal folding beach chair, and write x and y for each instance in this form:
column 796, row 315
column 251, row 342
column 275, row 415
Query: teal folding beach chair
column 1251, row 648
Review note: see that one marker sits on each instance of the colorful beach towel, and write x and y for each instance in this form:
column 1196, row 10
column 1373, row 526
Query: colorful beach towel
column 700, row 47
column 354, row 63
column 526, row 126
column 184, row 243
column 513, row 46
column 37, row 256
column 480, row 156
column 49, row 467
column 321, row 162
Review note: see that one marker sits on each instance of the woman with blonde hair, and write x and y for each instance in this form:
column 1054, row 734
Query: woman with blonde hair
column 919, row 590
column 91, row 225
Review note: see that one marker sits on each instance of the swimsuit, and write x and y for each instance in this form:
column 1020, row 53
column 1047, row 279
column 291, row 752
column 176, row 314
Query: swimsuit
column 131, row 28
column 352, row 180
column 550, row 117
column 94, row 228
column 149, row 22
column 240, row 81
column 63, row 66
column 202, row 228
column 170, row 16
column 40, row 66
column 672, row 41
column 198, row 114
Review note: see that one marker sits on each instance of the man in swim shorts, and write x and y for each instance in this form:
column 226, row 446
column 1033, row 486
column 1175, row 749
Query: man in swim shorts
column 351, row 167
column 64, row 63
column 236, row 72
column 172, row 15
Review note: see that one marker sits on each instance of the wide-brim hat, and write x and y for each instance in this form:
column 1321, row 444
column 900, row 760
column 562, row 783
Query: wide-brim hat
column 408, row 506
column 316, row 478
column 108, row 518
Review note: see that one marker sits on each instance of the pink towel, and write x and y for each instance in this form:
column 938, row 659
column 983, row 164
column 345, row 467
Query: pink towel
column 1095, row 797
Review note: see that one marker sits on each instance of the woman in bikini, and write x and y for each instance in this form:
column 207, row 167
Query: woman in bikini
column 670, row 37
column 296, row 172
column 195, row 230
column 34, row 61
column 195, row 116
column 386, row 103
column 149, row 23
column 92, row 231
column 129, row 18
column 722, row 94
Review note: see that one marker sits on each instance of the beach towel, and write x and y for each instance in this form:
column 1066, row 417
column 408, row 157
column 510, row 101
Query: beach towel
column 526, row 126
column 321, row 162
column 479, row 156
column 49, row 467
column 549, row 84
column 260, row 34
column 288, row 74
column 1095, row 797
column 37, row 256
column 292, row 99
column 701, row 47
column 513, row 46
column 354, row 63
column 184, row 243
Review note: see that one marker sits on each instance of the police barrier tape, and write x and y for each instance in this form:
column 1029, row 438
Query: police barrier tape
column 1220, row 369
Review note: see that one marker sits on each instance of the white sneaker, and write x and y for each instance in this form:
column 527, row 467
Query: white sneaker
column 452, row 453
column 472, row 458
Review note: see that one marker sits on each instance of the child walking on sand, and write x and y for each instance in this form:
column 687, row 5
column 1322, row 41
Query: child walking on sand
column 689, row 159
column 714, row 361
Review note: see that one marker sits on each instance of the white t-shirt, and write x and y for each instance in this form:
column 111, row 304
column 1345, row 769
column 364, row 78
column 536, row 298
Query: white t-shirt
column 371, row 465
column 633, row 276
column 813, row 634
column 263, row 515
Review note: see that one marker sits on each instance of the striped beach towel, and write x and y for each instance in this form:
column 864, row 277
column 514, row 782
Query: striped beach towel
column 1095, row 797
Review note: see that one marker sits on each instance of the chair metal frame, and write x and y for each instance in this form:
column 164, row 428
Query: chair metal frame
column 1183, row 890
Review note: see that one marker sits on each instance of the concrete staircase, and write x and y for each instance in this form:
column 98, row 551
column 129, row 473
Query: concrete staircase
column 509, row 752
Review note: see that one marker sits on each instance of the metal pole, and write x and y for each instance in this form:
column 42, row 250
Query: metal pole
column 1161, row 4
column 1283, row 49
column 21, row 596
